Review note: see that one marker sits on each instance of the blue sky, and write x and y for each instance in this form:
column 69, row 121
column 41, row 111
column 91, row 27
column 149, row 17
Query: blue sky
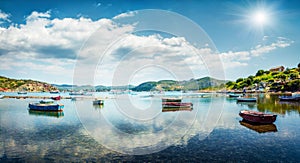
column 52, row 41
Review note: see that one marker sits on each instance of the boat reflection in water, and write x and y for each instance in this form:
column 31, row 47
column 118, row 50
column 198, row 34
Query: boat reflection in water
column 260, row 128
column 98, row 106
column 249, row 104
column 173, row 109
column 46, row 113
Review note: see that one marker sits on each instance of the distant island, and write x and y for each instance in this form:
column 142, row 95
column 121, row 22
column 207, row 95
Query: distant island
column 277, row 79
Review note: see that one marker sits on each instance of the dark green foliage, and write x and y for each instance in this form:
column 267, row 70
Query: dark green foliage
column 239, row 80
column 259, row 73
column 145, row 86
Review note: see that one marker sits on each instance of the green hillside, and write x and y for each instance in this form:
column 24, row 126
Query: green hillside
column 7, row 84
column 172, row 85
column 286, row 80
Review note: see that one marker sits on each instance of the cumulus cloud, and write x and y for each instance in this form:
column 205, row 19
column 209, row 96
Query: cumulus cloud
column 4, row 17
column 127, row 14
column 239, row 58
column 107, row 49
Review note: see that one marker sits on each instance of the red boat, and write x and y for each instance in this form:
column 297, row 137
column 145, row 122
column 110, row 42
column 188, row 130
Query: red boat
column 177, row 104
column 257, row 117
column 56, row 98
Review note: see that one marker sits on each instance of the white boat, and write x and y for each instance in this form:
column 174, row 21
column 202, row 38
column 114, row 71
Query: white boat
column 1, row 96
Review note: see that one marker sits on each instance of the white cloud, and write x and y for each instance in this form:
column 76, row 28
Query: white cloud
column 281, row 42
column 37, row 15
column 124, row 15
column 4, row 17
column 237, row 59
column 103, row 49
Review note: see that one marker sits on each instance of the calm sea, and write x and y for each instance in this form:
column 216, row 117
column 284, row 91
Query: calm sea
column 134, row 128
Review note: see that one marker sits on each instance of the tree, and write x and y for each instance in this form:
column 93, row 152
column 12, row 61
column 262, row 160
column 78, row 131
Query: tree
column 293, row 76
column 299, row 65
column 239, row 80
column 259, row 73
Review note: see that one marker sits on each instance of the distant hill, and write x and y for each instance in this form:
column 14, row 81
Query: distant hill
column 172, row 85
column 98, row 88
column 8, row 84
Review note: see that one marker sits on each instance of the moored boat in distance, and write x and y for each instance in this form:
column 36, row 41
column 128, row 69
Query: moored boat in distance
column 98, row 102
column 1, row 96
column 22, row 93
column 54, row 92
column 56, row 98
column 246, row 99
column 46, row 105
column 235, row 95
column 257, row 117
column 76, row 93
column 290, row 98
column 177, row 104
column 171, row 99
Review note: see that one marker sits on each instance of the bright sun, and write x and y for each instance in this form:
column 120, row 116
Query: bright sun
column 260, row 18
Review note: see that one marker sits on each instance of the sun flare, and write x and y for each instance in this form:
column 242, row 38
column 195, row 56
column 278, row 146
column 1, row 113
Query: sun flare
column 260, row 18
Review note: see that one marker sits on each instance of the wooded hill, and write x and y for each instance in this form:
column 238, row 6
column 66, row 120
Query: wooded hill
column 172, row 85
column 7, row 84
column 276, row 79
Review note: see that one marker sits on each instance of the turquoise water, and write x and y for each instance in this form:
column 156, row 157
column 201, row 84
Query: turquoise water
column 134, row 128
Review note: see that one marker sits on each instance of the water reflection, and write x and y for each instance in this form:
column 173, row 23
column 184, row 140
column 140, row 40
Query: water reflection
column 98, row 106
column 271, row 103
column 260, row 128
column 250, row 105
column 169, row 109
column 46, row 113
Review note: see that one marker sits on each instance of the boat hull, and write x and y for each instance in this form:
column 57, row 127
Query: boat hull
column 289, row 98
column 246, row 99
column 171, row 100
column 98, row 102
column 258, row 117
column 45, row 107
column 234, row 95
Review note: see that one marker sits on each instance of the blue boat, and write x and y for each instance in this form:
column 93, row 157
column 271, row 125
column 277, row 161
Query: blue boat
column 46, row 105
column 290, row 98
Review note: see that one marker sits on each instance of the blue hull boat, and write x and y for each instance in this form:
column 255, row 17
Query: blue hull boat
column 46, row 106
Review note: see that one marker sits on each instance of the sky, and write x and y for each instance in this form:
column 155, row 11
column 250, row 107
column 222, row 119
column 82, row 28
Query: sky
column 130, row 42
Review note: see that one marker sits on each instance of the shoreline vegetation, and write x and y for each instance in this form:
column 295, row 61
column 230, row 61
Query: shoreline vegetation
column 275, row 80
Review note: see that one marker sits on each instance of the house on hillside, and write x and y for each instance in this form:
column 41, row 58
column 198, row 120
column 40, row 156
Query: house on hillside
column 277, row 69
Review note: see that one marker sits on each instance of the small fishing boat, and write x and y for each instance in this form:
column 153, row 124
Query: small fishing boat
column 98, row 102
column 1, row 96
column 171, row 99
column 76, row 93
column 177, row 104
column 235, row 95
column 54, row 92
column 56, row 98
column 246, row 99
column 22, row 93
column 289, row 98
column 257, row 117
column 46, row 105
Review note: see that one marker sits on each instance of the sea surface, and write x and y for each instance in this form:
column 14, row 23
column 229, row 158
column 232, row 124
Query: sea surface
column 133, row 127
